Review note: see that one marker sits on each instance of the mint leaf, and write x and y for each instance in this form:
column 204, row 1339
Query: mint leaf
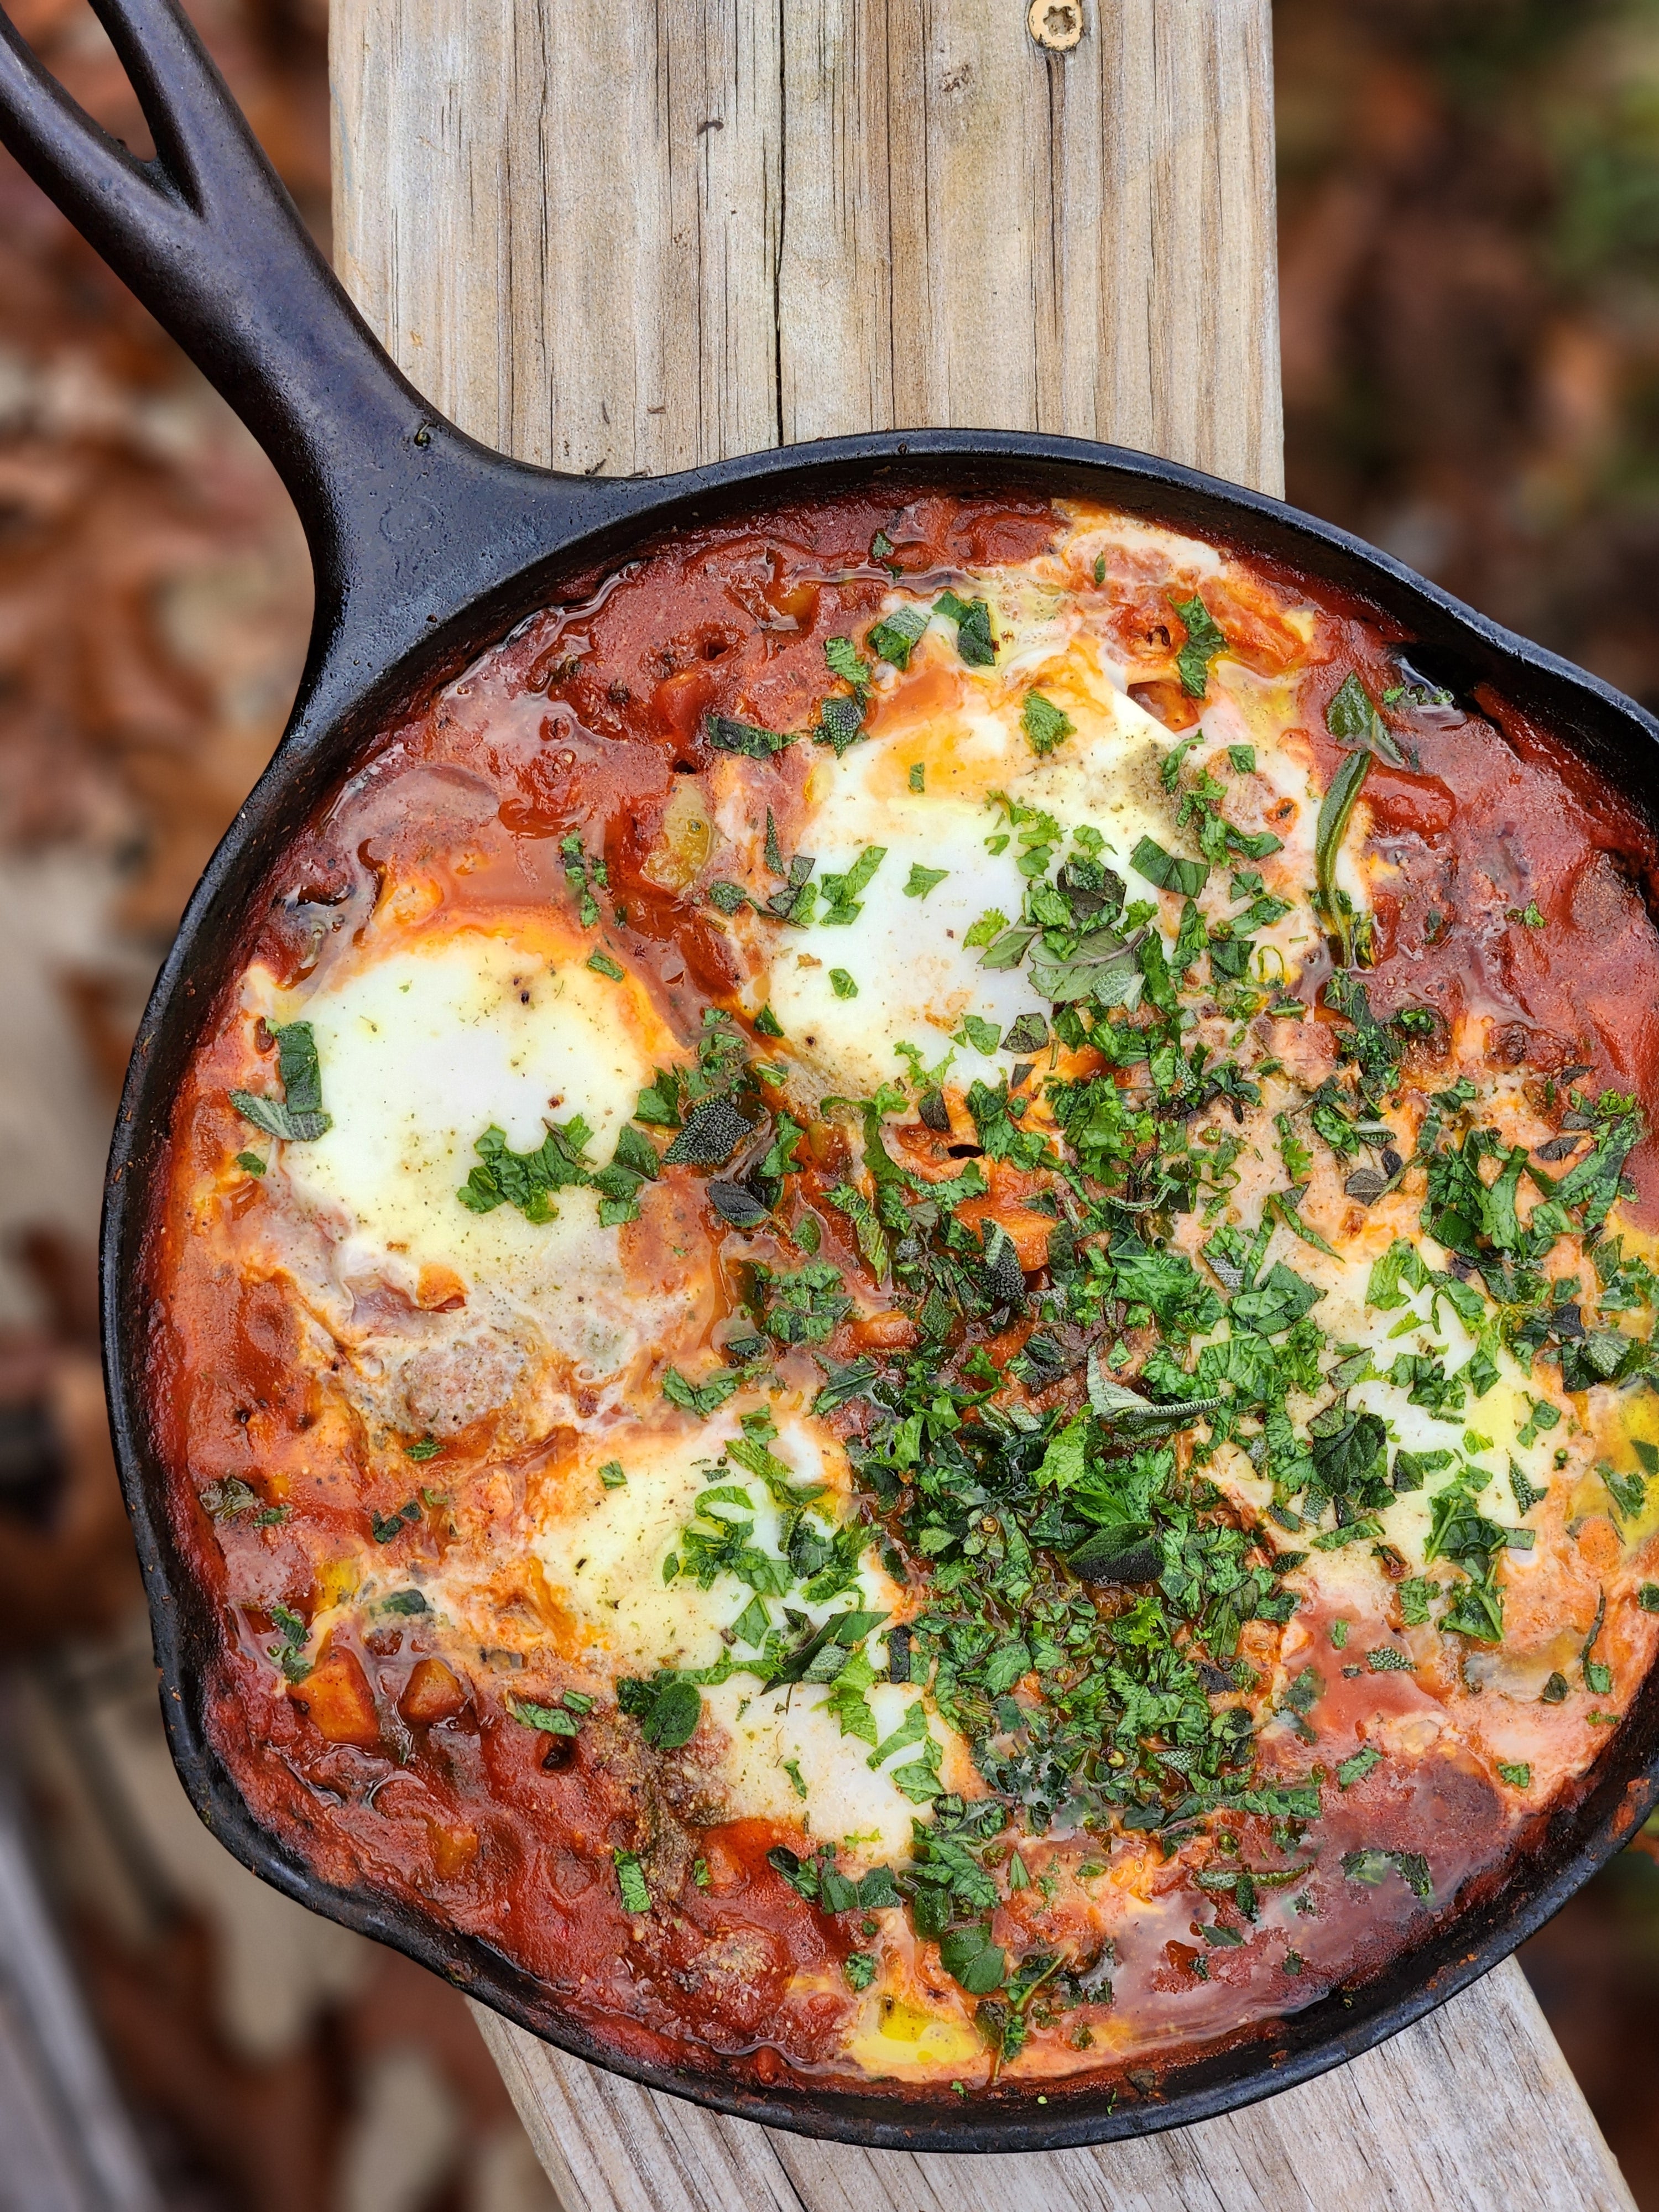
column 727, row 736
column 636, row 1897
column 975, row 644
column 894, row 636
column 1044, row 724
column 845, row 660
column 297, row 1116
column 1204, row 641
column 1187, row 877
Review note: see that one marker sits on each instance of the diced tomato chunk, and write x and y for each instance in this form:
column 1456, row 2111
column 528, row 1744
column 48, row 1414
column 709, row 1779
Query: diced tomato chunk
column 431, row 1693
column 336, row 1696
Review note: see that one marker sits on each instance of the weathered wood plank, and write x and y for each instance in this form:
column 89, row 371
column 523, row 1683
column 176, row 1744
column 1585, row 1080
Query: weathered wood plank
column 633, row 239
column 640, row 238
column 1473, row 2107
column 562, row 216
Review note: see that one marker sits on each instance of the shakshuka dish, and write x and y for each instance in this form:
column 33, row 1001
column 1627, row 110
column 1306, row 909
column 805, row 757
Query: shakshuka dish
column 904, row 1311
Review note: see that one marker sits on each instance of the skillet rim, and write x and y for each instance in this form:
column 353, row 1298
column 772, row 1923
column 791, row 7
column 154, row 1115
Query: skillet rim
column 336, row 722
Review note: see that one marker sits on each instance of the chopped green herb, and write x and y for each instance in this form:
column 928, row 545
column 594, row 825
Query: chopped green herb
column 1187, row 877
column 893, row 638
column 974, row 642
column 840, row 892
column 844, row 660
column 1045, row 725
column 1205, row 643
column 726, row 736
column 630, row 1881
column 1335, row 810
column 297, row 1116
column 550, row 1720
column 705, row 1398
column 667, row 1708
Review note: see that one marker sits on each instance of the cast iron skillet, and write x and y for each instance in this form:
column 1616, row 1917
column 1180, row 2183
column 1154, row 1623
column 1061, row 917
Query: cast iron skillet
column 428, row 548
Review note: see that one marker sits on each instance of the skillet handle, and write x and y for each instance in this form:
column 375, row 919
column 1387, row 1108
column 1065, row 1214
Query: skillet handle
column 407, row 520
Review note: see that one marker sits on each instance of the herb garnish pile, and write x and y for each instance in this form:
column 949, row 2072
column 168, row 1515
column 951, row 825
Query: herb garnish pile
column 1034, row 1464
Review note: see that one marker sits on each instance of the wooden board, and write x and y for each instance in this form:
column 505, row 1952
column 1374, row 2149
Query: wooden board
column 626, row 239
column 1474, row 2109
column 637, row 238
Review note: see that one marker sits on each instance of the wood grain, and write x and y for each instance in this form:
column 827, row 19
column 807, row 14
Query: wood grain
column 631, row 240
column 1474, row 2108
column 623, row 240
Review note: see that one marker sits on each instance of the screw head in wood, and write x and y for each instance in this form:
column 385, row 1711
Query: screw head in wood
column 1056, row 25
